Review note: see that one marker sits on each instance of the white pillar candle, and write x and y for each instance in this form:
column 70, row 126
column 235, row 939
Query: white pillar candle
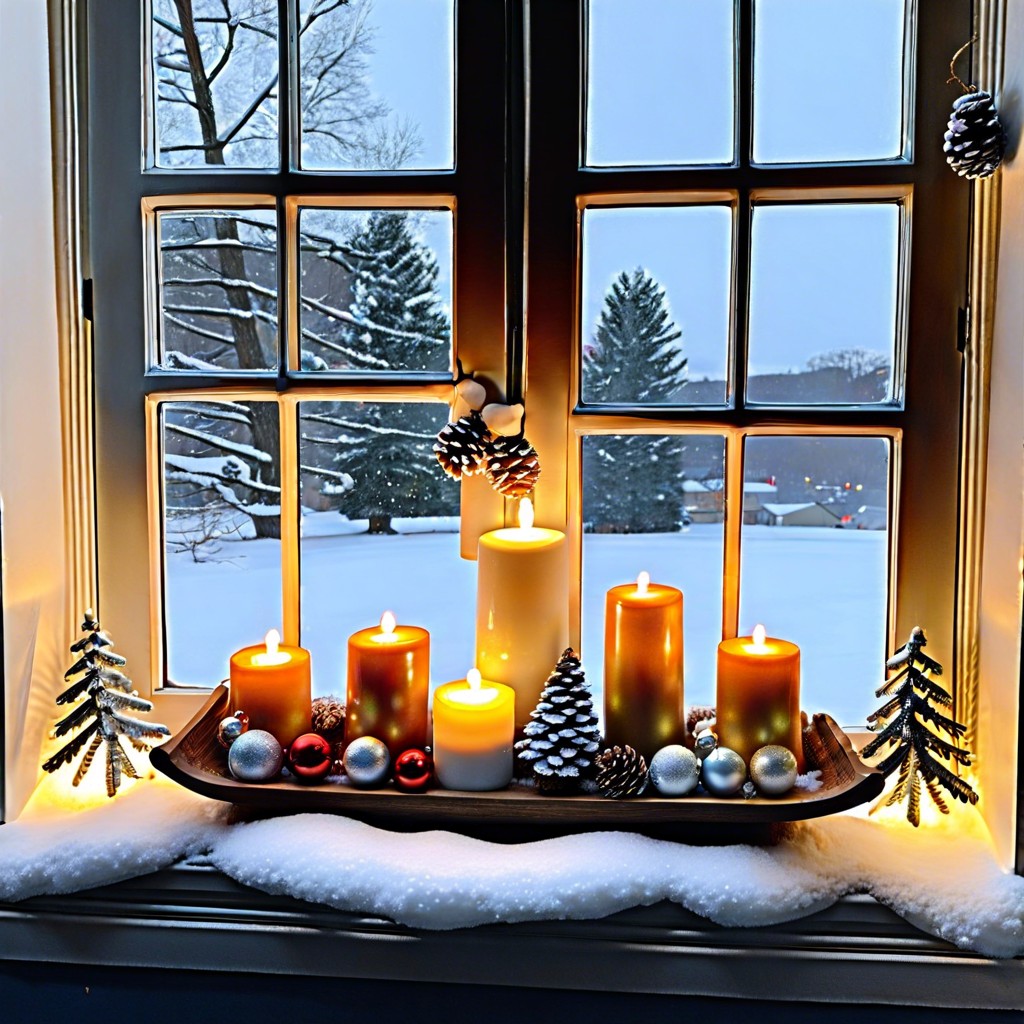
column 473, row 730
column 522, row 607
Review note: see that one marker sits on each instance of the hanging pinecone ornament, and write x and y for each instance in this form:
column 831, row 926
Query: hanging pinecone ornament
column 562, row 737
column 100, row 718
column 621, row 772
column 460, row 446
column 512, row 466
column 976, row 141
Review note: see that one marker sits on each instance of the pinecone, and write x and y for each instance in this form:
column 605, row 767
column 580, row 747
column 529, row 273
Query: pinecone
column 694, row 716
column 512, row 466
column 621, row 772
column 976, row 141
column 328, row 720
column 461, row 445
column 562, row 737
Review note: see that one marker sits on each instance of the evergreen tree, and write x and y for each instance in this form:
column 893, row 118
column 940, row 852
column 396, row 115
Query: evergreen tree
column 632, row 483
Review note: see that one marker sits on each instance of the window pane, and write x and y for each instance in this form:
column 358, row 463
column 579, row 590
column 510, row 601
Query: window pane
column 376, row 290
column 215, row 83
column 824, row 283
column 659, row 88
column 380, row 531
column 222, row 533
column 657, row 287
column 828, row 80
column 654, row 503
column 218, row 290
column 377, row 84
column 814, row 561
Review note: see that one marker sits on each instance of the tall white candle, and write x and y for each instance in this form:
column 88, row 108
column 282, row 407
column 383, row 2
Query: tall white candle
column 522, row 607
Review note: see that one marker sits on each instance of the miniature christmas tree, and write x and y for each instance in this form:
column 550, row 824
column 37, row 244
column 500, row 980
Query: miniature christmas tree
column 561, row 741
column 904, row 721
column 108, row 693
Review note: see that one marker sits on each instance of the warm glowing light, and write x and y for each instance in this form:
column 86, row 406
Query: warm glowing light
column 475, row 695
column 759, row 635
column 643, row 581
column 272, row 655
column 387, row 630
column 473, row 678
column 525, row 514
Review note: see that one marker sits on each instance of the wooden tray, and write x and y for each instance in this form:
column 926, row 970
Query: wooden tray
column 196, row 760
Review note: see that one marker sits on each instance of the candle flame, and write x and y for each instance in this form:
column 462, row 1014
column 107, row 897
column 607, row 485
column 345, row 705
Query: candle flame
column 759, row 635
column 387, row 623
column 473, row 678
column 272, row 641
column 643, row 581
column 525, row 514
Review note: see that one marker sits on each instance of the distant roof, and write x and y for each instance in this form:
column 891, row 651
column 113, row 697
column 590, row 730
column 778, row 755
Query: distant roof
column 785, row 509
column 749, row 486
column 693, row 485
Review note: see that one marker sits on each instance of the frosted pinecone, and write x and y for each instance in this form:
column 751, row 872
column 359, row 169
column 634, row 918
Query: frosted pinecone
column 462, row 445
column 561, row 737
column 512, row 466
column 976, row 141
column 621, row 772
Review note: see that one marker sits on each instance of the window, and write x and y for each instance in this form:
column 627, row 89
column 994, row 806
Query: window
column 776, row 433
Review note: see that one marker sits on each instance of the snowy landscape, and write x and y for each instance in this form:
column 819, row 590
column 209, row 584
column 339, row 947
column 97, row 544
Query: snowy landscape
column 822, row 588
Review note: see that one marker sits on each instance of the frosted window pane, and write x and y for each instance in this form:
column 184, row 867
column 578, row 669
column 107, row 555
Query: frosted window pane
column 660, row 79
column 656, row 305
column 377, row 84
column 215, row 80
column 222, row 530
column 814, row 562
column 828, row 80
column 218, row 290
column 823, row 300
column 654, row 502
column 380, row 530
column 376, row 290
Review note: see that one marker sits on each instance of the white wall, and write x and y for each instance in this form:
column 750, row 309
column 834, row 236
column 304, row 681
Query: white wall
column 30, row 443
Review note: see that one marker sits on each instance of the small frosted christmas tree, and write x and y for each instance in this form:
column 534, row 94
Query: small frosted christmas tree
column 561, row 740
column 108, row 693
column 904, row 721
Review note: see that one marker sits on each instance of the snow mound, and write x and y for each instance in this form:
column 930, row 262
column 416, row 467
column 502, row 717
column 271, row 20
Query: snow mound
column 943, row 879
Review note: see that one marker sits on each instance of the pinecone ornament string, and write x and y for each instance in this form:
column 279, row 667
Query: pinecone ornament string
column 561, row 738
column 101, row 717
column 461, row 446
column 621, row 772
column 512, row 466
column 975, row 141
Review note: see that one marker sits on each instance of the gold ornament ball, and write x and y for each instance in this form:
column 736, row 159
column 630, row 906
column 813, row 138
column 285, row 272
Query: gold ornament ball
column 773, row 770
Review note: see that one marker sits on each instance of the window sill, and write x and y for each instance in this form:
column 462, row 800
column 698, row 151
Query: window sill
column 192, row 917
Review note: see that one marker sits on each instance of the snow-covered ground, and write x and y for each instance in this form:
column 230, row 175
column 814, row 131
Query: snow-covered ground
column 824, row 589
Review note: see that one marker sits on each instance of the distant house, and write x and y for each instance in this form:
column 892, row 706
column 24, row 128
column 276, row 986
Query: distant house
column 804, row 513
column 869, row 517
column 755, row 494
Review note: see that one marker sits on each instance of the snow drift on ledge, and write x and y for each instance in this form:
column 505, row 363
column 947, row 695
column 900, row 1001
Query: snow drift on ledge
column 951, row 887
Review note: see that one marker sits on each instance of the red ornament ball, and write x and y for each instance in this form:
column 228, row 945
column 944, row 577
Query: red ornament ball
column 413, row 771
column 310, row 758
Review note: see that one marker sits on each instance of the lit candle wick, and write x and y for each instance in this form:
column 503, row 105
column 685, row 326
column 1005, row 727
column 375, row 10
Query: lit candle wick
column 387, row 630
column 525, row 514
column 271, row 656
column 759, row 636
column 643, row 581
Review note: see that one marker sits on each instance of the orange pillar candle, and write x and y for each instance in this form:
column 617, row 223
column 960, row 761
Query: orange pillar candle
column 522, row 607
column 271, row 684
column 643, row 666
column 758, row 698
column 474, row 720
column 388, row 684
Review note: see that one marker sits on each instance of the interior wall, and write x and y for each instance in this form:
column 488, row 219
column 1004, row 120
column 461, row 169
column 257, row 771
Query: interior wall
column 31, row 486
column 1003, row 558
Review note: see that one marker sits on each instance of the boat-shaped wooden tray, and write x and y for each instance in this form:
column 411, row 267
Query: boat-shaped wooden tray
column 196, row 760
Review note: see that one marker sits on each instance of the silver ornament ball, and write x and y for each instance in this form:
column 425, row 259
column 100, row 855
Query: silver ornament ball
column 723, row 772
column 366, row 762
column 704, row 743
column 773, row 770
column 674, row 770
column 255, row 756
column 230, row 728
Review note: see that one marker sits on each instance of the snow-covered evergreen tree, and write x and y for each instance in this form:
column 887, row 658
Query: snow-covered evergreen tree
column 632, row 483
